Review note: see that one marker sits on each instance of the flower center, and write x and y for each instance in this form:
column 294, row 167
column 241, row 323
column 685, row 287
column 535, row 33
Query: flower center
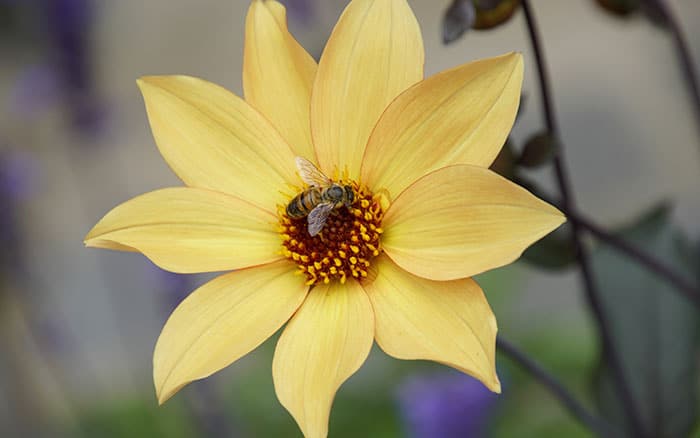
column 347, row 242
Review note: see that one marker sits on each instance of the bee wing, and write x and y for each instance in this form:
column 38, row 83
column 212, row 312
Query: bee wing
column 317, row 217
column 310, row 173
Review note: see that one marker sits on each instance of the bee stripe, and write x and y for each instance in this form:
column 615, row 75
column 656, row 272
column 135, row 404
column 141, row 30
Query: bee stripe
column 306, row 202
column 311, row 199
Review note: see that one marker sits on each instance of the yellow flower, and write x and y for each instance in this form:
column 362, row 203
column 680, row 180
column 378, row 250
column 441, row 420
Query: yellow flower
column 394, row 267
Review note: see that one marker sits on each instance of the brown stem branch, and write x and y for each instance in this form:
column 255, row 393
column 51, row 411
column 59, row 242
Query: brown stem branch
column 591, row 291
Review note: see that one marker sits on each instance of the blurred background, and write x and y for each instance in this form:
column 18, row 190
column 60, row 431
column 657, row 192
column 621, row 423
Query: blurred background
column 77, row 326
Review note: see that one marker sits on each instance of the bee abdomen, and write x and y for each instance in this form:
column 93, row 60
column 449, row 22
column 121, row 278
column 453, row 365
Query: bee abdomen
column 302, row 204
column 293, row 209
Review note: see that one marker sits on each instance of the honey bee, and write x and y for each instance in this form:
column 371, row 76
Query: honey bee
column 319, row 199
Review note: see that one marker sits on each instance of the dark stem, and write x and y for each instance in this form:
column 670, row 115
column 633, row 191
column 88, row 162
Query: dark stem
column 677, row 281
column 691, row 75
column 591, row 291
column 595, row 424
column 655, row 266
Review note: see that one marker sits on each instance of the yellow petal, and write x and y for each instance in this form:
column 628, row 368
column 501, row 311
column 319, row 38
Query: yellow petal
column 374, row 53
column 108, row 244
column 278, row 10
column 326, row 341
column 445, row 321
column 278, row 74
column 460, row 116
column 188, row 230
column 462, row 220
column 214, row 140
column 223, row 321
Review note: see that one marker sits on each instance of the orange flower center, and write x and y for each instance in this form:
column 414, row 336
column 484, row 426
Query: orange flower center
column 346, row 244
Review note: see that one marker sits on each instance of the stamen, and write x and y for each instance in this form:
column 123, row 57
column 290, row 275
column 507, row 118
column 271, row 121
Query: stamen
column 346, row 244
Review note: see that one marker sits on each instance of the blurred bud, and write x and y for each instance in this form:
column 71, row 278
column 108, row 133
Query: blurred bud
column 491, row 13
column 504, row 164
column 619, row 7
column 458, row 18
column 655, row 10
column 475, row 14
column 538, row 150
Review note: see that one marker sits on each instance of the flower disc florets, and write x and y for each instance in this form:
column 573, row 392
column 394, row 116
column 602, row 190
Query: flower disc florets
column 344, row 247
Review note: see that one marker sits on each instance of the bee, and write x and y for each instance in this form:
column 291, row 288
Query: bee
column 320, row 199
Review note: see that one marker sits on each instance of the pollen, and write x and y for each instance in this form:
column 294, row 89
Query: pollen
column 344, row 248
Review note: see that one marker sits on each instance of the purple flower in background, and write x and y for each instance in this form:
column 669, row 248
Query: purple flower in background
column 66, row 74
column 16, row 175
column 69, row 27
column 36, row 89
column 175, row 287
column 15, row 184
column 300, row 10
column 445, row 405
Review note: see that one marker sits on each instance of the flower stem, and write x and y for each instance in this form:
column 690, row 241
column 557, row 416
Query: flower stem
column 657, row 267
column 686, row 60
column 591, row 291
column 595, row 424
column 654, row 265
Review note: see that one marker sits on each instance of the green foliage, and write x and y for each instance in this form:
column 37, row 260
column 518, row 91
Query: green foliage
column 504, row 164
column 354, row 413
column 654, row 329
column 527, row 409
column 539, row 150
column 134, row 418
column 553, row 252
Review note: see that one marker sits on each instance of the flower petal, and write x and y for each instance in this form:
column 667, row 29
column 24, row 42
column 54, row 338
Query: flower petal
column 214, row 140
column 326, row 341
column 223, row 321
column 188, row 230
column 278, row 74
column 445, row 321
column 461, row 220
column 374, row 53
column 108, row 244
column 459, row 116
